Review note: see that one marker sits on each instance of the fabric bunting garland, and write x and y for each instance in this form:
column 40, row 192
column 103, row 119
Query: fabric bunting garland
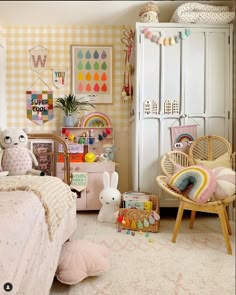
column 167, row 40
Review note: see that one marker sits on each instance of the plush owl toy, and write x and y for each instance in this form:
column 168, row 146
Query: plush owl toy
column 15, row 157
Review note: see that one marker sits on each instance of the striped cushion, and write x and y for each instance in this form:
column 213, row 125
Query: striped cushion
column 197, row 182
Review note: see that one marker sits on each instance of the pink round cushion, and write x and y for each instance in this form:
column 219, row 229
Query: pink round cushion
column 80, row 259
column 225, row 183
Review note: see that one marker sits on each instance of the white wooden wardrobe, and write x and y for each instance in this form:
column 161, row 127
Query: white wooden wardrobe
column 197, row 73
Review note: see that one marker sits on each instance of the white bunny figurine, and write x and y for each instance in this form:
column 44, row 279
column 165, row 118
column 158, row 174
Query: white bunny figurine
column 110, row 198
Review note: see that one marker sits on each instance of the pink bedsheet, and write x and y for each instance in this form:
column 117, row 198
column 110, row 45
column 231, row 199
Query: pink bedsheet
column 28, row 259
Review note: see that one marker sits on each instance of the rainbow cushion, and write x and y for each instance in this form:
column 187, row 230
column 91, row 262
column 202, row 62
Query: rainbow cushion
column 197, row 182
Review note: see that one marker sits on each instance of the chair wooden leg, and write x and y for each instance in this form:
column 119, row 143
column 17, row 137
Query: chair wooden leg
column 178, row 221
column 192, row 219
column 227, row 221
column 223, row 223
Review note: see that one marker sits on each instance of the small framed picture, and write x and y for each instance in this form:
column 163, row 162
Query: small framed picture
column 43, row 151
column 91, row 72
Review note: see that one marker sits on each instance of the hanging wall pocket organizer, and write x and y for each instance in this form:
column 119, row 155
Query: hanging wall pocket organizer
column 39, row 103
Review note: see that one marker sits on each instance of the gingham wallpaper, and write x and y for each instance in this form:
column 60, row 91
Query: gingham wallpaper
column 57, row 39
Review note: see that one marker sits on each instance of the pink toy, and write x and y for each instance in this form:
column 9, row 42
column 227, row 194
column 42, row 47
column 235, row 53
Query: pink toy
column 110, row 198
column 15, row 157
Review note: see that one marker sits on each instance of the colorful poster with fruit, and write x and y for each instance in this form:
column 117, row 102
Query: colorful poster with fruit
column 92, row 72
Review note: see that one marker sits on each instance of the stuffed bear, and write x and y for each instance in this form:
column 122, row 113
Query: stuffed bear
column 15, row 157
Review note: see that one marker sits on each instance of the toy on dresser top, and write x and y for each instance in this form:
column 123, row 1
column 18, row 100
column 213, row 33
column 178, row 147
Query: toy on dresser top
column 88, row 144
column 87, row 136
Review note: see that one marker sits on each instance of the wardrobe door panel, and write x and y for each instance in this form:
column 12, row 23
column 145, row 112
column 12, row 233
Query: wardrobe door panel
column 216, row 126
column 216, row 73
column 149, row 155
column 194, row 73
column 166, row 200
column 133, row 151
column 149, row 70
column 199, row 121
column 171, row 74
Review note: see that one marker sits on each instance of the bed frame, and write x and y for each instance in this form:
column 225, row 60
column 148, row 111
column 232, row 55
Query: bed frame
column 53, row 155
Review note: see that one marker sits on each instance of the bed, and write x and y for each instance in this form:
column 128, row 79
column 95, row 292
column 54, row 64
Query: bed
column 37, row 215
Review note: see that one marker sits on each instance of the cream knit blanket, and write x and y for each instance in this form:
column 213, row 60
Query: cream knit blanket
column 55, row 196
column 193, row 12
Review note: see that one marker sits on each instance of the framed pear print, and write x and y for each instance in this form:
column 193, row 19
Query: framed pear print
column 43, row 151
column 91, row 72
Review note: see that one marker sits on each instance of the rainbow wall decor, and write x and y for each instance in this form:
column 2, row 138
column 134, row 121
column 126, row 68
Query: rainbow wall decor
column 182, row 136
column 96, row 119
column 92, row 72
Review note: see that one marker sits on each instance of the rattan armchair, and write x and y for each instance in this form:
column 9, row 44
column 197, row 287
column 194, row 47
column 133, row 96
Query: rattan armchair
column 209, row 148
column 215, row 147
column 171, row 160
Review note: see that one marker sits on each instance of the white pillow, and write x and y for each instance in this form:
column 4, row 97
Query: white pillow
column 225, row 183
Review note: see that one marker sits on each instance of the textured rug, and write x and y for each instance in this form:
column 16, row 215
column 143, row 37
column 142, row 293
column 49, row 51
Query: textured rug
column 197, row 264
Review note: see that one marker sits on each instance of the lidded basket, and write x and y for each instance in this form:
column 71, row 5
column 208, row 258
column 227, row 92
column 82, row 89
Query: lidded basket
column 149, row 13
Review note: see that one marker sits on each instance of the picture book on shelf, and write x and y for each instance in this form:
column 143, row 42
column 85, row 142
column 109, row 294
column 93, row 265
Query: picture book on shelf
column 134, row 196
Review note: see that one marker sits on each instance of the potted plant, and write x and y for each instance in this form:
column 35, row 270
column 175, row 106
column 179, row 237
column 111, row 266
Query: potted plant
column 70, row 104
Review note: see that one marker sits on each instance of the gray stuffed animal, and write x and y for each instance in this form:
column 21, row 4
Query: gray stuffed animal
column 15, row 157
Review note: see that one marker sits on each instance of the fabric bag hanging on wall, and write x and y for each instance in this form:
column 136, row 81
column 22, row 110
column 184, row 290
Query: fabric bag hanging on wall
column 39, row 104
column 38, row 58
column 182, row 136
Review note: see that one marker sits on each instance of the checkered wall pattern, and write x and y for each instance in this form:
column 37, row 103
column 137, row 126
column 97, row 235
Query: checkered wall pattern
column 58, row 41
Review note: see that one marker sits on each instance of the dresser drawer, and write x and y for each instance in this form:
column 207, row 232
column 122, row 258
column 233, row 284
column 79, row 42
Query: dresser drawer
column 88, row 199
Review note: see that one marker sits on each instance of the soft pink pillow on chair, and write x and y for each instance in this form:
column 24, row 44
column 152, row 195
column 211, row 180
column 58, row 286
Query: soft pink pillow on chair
column 81, row 259
column 225, row 183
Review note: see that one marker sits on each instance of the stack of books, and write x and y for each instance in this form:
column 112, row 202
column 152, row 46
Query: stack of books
column 136, row 200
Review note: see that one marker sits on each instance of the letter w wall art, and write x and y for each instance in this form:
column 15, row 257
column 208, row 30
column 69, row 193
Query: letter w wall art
column 38, row 58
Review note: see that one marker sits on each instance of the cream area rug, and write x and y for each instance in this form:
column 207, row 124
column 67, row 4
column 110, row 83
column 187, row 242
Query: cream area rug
column 197, row 264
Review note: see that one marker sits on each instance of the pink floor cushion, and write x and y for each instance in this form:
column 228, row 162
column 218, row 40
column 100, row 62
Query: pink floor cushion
column 81, row 259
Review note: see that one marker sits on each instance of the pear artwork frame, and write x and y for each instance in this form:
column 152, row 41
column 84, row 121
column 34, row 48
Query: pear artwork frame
column 43, row 149
column 91, row 72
